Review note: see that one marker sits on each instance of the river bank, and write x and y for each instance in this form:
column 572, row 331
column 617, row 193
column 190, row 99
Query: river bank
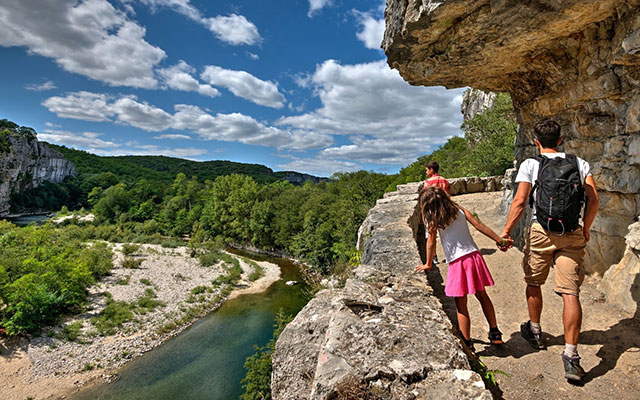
column 51, row 366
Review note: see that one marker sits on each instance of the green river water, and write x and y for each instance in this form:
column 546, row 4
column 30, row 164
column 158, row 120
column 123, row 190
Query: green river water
column 206, row 360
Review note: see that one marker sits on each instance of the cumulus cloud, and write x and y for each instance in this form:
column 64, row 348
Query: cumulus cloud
column 319, row 166
column 317, row 5
column 85, row 106
column 179, row 77
column 48, row 85
column 233, row 29
column 245, row 129
column 87, row 140
column 172, row 137
column 141, row 115
column 387, row 119
column 372, row 30
column 245, row 85
column 233, row 127
column 87, row 37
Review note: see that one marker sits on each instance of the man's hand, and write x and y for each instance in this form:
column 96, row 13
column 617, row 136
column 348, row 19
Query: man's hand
column 586, row 233
column 423, row 267
column 505, row 244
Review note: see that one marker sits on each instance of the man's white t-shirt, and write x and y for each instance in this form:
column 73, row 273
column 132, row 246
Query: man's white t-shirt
column 528, row 171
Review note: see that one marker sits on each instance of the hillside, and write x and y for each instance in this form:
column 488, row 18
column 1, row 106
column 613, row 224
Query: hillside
column 165, row 169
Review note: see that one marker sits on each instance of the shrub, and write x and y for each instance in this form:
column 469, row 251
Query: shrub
column 131, row 263
column 72, row 331
column 129, row 249
column 113, row 316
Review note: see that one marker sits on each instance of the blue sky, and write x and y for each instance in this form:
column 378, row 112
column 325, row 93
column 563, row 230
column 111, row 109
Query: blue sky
column 295, row 85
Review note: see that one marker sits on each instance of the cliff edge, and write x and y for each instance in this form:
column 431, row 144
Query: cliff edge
column 26, row 163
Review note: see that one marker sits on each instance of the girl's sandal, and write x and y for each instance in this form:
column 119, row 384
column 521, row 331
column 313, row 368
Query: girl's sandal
column 495, row 336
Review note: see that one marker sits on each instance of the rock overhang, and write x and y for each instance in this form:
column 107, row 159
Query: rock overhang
column 486, row 43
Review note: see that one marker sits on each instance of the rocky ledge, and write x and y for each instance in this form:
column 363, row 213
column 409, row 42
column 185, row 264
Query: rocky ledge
column 384, row 334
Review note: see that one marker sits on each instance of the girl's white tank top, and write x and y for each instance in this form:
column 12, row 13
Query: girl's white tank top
column 456, row 239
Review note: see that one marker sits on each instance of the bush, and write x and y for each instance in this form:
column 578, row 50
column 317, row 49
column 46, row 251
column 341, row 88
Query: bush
column 72, row 331
column 131, row 262
column 114, row 315
column 257, row 382
column 129, row 249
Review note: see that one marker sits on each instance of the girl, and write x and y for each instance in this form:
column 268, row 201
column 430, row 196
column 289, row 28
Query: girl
column 468, row 273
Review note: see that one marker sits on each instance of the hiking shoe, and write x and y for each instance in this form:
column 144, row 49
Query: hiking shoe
column 535, row 340
column 572, row 369
column 495, row 336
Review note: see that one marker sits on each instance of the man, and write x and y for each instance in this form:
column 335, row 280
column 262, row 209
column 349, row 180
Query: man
column 433, row 179
column 546, row 246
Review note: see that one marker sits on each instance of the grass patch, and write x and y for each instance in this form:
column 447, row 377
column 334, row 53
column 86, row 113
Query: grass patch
column 124, row 281
column 72, row 331
column 258, row 271
column 145, row 281
column 129, row 249
column 131, row 262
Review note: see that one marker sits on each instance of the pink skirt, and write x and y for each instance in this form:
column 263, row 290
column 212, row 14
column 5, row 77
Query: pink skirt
column 467, row 275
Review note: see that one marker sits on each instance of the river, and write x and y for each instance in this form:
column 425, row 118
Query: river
column 206, row 361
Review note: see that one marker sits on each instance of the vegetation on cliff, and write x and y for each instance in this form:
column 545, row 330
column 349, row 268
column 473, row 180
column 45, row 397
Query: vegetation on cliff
column 485, row 150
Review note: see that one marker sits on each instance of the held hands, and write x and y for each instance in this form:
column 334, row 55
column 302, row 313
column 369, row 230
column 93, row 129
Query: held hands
column 423, row 267
column 505, row 243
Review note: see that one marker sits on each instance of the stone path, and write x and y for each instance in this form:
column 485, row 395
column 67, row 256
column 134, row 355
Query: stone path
column 609, row 342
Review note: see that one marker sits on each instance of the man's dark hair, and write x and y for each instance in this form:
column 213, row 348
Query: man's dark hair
column 434, row 166
column 547, row 132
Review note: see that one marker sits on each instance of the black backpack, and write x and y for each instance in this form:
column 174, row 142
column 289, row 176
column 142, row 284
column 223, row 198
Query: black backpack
column 559, row 193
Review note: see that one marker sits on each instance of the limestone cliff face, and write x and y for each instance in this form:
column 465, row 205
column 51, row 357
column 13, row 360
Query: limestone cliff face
column 26, row 163
column 577, row 61
column 474, row 102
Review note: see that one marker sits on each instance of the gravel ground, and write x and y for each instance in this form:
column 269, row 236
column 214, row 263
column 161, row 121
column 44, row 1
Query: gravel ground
column 52, row 367
column 609, row 343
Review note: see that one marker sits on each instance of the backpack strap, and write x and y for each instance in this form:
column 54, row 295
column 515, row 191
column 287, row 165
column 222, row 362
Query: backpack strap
column 541, row 160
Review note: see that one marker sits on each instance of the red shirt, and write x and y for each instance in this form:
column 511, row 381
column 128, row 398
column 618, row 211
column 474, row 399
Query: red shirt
column 437, row 180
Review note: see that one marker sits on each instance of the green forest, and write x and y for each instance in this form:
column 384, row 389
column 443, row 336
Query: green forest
column 46, row 270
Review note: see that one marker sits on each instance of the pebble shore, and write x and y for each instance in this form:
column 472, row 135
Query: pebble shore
column 49, row 366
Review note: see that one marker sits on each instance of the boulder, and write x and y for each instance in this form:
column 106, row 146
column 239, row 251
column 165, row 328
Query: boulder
column 621, row 282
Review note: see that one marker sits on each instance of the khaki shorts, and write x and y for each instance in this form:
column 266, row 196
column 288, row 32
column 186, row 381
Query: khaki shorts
column 566, row 253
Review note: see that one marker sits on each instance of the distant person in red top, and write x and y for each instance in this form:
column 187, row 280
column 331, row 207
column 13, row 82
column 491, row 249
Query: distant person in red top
column 433, row 179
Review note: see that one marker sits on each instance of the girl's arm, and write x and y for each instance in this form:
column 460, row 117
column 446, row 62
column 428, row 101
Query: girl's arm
column 488, row 232
column 431, row 250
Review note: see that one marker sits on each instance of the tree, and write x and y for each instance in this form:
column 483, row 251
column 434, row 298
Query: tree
column 257, row 382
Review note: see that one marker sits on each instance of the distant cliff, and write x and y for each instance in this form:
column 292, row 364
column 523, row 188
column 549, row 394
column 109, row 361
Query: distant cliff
column 26, row 163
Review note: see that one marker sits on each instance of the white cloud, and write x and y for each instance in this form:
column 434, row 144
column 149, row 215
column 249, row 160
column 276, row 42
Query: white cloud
column 85, row 106
column 172, row 137
column 234, row 29
column 233, row 127
column 317, row 5
column 179, row 77
column 89, row 37
column 319, row 166
column 387, row 120
column 372, row 30
column 152, row 150
column 141, row 115
column 253, row 56
column 244, row 129
column 86, row 140
column 245, row 85
column 372, row 99
column 48, row 85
